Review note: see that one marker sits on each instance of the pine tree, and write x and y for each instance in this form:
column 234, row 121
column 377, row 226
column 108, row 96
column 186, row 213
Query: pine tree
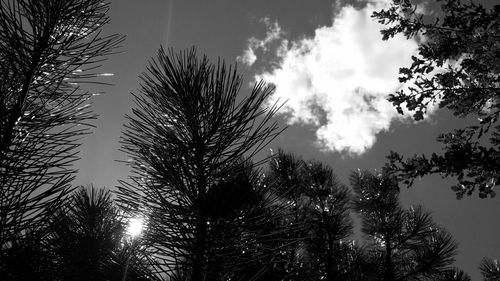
column 87, row 240
column 403, row 244
column 329, row 223
column 286, row 175
column 187, row 142
column 46, row 48
column 28, row 259
column 490, row 269
column 84, row 233
column 453, row 274
column 317, row 208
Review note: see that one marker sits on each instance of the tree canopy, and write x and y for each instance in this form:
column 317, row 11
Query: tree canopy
column 405, row 244
column 457, row 67
column 188, row 140
column 208, row 211
column 46, row 49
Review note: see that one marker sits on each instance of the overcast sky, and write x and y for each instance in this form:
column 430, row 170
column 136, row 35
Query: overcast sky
column 327, row 60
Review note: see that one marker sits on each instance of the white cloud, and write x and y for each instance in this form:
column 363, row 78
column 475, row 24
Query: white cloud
column 273, row 33
column 338, row 80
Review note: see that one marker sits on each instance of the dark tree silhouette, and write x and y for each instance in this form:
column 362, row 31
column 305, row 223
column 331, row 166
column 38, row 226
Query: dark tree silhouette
column 316, row 247
column 88, row 241
column 403, row 244
column 453, row 275
column 458, row 67
column 46, row 48
column 28, row 259
column 187, row 138
column 329, row 223
column 490, row 269
column 85, row 232
column 286, row 175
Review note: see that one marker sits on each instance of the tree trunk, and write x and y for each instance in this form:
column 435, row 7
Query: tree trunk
column 389, row 268
column 200, row 248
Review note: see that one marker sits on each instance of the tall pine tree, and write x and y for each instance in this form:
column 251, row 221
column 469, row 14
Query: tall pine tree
column 187, row 141
column 46, row 48
column 403, row 244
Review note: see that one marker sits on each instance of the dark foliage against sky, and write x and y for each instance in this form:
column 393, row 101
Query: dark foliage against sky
column 46, row 48
column 183, row 24
column 307, row 51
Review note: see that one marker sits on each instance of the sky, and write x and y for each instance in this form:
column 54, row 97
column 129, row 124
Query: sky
column 327, row 59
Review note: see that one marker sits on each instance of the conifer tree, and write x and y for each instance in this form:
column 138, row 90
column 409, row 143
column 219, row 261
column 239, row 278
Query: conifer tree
column 329, row 223
column 404, row 244
column 87, row 239
column 188, row 140
column 84, row 233
column 286, row 175
column 46, row 48
column 318, row 207
column 490, row 269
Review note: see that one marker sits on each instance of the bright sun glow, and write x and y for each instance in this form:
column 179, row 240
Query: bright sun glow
column 135, row 226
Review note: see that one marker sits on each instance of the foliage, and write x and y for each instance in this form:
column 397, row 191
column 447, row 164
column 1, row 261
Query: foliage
column 87, row 240
column 457, row 67
column 82, row 240
column 490, row 269
column 454, row 275
column 187, row 140
column 285, row 175
column 28, row 259
column 404, row 244
column 84, row 234
column 329, row 222
column 46, row 48
column 317, row 206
